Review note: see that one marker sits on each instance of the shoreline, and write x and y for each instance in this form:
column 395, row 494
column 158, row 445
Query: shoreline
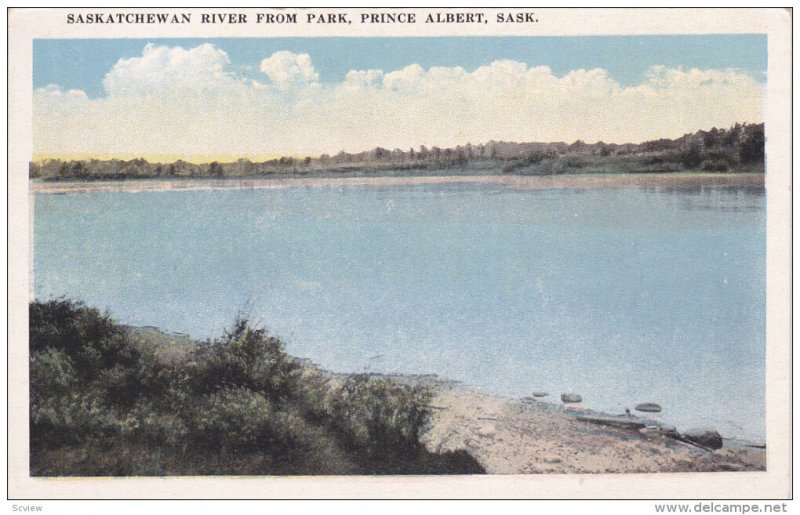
column 515, row 436
column 511, row 435
column 551, row 402
column 679, row 180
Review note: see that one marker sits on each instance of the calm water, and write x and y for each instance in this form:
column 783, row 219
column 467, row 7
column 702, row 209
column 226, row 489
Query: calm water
column 623, row 296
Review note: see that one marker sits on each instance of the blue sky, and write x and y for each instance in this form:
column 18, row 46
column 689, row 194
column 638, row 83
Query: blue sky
column 262, row 97
column 82, row 63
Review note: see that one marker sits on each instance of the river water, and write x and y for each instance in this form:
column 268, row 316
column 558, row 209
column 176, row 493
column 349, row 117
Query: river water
column 623, row 295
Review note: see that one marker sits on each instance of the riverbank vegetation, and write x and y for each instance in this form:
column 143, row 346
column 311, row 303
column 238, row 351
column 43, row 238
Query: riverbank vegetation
column 739, row 148
column 110, row 400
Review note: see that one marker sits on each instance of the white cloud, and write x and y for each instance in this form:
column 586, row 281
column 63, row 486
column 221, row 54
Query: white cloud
column 55, row 91
column 172, row 100
column 161, row 69
column 287, row 70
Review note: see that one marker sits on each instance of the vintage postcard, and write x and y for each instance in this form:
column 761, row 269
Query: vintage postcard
column 399, row 253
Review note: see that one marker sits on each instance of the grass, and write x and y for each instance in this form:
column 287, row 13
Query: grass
column 108, row 400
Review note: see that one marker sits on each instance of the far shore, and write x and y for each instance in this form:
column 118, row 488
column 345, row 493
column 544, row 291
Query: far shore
column 681, row 180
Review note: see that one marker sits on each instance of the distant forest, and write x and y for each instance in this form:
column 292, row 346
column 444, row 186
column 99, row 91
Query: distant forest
column 739, row 148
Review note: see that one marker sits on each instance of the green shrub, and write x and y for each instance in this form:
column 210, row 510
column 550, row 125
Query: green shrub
column 67, row 325
column 238, row 419
column 380, row 416
column 106, row 400
column 312, row 393
column 160, row 429
column 247, row 357
column 68, row 419
column 91, row 340
column 51, row 373
column 118, row 383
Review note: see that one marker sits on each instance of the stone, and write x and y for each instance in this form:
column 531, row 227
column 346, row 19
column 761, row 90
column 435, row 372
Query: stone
column 487, row 431
column 704, row 437
column 649, row 407
column 666, row 431
column 540, row 394
column 731, row 467
column 570, row 397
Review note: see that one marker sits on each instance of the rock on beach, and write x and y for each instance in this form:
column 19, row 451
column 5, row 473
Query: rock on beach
column 705, row 437
column 487, row 431
column 649, row 407
column 570, row 397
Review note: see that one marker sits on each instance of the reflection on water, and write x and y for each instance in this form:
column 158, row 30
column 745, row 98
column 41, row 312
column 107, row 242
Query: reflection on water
column 624, row 295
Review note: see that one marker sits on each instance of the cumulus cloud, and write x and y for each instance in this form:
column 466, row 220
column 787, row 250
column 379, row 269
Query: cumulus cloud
column 161, row 69
column 172, row 100
column 287, row 70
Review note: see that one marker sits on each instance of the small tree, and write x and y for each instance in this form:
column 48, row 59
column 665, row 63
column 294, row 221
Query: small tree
column 692, row 156
column 215, row 169
column 752, row 148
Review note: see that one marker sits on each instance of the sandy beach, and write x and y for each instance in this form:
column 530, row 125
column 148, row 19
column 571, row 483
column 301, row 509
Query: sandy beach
column 510, row 436
column 676, row 180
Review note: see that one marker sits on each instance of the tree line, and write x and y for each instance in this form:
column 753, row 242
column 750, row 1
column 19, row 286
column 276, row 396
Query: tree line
column 717, row 150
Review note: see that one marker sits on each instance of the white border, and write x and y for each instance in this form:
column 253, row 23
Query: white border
column 25, row 25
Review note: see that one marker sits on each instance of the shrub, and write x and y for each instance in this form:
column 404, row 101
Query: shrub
column 380, row 416
column 51, row 373
column 75, row 417
column 312, row 393
column 147, row 424
column 121, row 385
column 107, row 401
column 247, row 357
column 67, row 325
column 91, row 340
column 238, row 419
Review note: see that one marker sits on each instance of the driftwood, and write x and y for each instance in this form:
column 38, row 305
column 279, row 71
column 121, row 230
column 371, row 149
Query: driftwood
column 695, row 444
column 612, row 422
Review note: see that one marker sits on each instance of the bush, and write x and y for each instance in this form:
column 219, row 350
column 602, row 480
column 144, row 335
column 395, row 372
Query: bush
column 148, row 425
column 108, row 401
column 238, row 419
column 248, row 358
column 312, row 394
column 380, row 416
column 71, row 418
column 92, row 341
column 51, row 373
column 67, row 325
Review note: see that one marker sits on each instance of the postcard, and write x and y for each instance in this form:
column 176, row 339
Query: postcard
column 399, row 253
